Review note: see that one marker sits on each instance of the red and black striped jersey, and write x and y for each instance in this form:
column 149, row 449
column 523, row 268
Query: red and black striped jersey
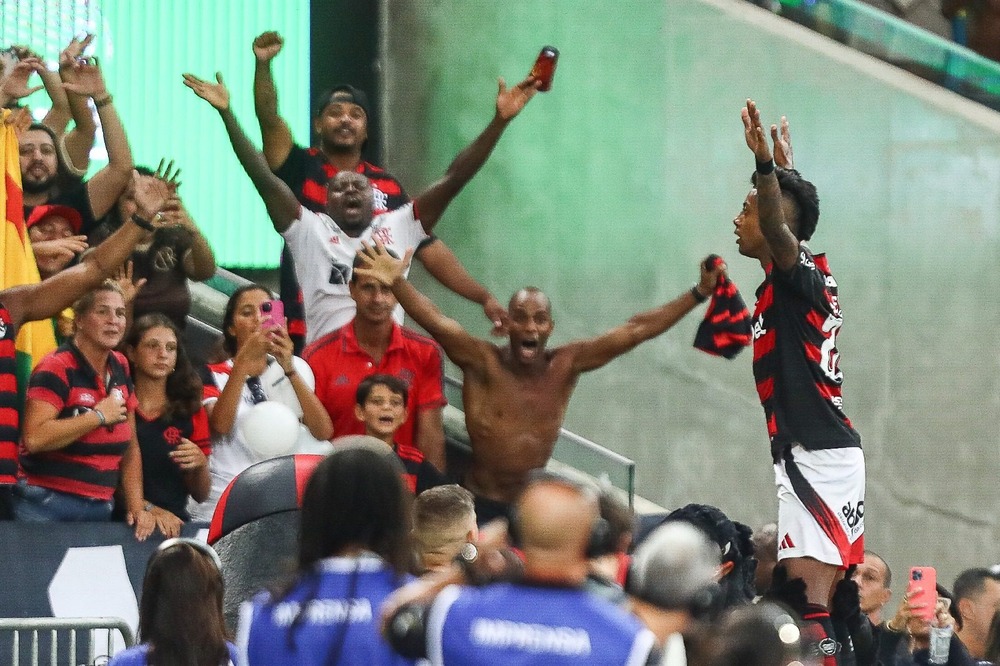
column 307, row 171
column 88, row 467
column 9, row 402
column 795, row 358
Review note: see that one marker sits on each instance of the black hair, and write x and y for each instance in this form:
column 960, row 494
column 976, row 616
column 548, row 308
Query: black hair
column 228, row 339
column 356, row 497
column 803, row 196
column 393, row 383
column 64, row 178
column 735, row 544
column 970, row 583
column 184, row 386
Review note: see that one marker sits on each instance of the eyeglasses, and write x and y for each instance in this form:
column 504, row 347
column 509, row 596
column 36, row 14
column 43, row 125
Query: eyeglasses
column 200, row 546
column 256, row 390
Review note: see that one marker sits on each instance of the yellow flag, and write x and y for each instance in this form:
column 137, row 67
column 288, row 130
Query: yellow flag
column 35, row 339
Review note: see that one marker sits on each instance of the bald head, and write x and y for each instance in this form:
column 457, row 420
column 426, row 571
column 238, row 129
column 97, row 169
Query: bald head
column 555, row 520
column 530, row 296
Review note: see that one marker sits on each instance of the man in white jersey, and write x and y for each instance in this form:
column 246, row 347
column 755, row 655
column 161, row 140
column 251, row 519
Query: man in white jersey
column 323, row 246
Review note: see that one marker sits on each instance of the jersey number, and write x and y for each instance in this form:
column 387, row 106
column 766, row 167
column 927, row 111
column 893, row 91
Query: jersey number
column 829, row 356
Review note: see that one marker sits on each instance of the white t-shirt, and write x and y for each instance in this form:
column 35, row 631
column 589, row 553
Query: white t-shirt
column 230, row 454
column 324, row 255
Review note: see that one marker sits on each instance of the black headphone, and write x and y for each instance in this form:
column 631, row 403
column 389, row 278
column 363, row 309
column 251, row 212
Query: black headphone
column 600, row 541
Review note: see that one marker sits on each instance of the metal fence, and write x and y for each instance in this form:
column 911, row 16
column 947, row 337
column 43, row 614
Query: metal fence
column 61, row 639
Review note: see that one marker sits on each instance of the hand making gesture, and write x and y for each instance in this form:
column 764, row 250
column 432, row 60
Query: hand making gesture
column 15, row 84
column 151, row 195
column 754, row 133
column 74, row 50
column 267, row 45
column 85, row 78
column 782, row 145
column 215, row 94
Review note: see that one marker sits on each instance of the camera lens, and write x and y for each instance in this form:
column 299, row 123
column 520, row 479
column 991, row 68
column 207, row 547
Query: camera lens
column 266, row 306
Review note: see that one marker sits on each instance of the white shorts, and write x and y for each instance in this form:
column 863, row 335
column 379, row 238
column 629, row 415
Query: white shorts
column 821, row 505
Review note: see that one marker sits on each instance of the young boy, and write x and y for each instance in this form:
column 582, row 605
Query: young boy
column 380, row 403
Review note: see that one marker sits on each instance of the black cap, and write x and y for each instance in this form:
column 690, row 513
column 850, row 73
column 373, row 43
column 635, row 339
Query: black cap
column 343, row 93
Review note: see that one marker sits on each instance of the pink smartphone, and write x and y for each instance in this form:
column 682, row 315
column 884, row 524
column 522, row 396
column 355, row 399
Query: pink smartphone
column 272, row 314
column 922, row 589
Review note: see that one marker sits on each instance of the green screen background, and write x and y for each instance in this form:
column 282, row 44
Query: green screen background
column 144, row 47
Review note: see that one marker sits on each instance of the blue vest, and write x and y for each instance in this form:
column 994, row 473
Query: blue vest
column 337, row 623
column 514, row 624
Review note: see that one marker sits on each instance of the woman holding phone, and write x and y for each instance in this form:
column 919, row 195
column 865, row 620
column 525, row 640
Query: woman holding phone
column 260, row 367
column 171, row 423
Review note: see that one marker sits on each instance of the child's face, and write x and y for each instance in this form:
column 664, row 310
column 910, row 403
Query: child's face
column 382, row 413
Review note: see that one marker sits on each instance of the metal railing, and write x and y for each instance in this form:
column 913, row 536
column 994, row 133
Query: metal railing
column 900, row 43
column 37, row 627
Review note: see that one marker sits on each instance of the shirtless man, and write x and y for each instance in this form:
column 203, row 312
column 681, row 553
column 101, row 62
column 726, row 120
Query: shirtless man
column 516, row 396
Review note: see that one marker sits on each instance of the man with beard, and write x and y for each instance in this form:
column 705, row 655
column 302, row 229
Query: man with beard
column 324, row 244
column 516, row 396
column 40, row 160
column 341, row 122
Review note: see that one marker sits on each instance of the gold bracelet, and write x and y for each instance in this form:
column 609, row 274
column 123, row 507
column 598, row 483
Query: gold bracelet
column 104, row 101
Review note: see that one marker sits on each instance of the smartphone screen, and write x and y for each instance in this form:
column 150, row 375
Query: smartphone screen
column 922, row 589
column 545, row 67
column 272, row 314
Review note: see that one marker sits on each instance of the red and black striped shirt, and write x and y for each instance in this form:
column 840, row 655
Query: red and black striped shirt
column 795, row 357
column 307, row 172
column 9, row 402
column 88, row 467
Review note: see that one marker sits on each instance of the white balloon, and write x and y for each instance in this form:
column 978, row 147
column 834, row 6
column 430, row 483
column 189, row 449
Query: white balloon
column 270, row 429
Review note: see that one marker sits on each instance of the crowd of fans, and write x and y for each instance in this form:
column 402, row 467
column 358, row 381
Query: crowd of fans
column 397, row 562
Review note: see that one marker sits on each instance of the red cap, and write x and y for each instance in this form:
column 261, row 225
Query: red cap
column 71, row 215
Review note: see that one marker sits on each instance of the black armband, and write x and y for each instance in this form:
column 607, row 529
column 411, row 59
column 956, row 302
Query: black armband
column 765, row 168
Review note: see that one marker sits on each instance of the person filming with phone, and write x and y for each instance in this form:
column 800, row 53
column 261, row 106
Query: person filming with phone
column 261, row 367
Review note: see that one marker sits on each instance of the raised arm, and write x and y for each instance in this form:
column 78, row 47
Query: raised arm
column 104, row 188
column 282, row 206
column 274, row 130
column 14, row 79
column 80, row 139
column 782, row 243
column 58, row 115
column 465, row 350
column 432, row 202
column 595, row 352
column 48, row 298
column 442, row 263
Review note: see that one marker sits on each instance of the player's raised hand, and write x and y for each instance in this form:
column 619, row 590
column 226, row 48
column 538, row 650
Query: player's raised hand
column 753, row 132
column 782, row 145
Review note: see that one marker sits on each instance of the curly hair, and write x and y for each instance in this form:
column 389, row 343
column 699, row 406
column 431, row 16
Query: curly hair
column 183, row 383
column 734, row 541
column 802, row 194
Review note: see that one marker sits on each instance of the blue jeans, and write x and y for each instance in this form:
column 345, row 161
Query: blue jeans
column 35, row 504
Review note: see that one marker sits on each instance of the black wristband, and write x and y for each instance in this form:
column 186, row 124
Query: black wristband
column 143, row 224
column 765, row 168
column 698, row 296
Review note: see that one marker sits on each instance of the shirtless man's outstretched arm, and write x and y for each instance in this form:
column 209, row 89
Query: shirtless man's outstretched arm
column 595, row 352
column 465, row 350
